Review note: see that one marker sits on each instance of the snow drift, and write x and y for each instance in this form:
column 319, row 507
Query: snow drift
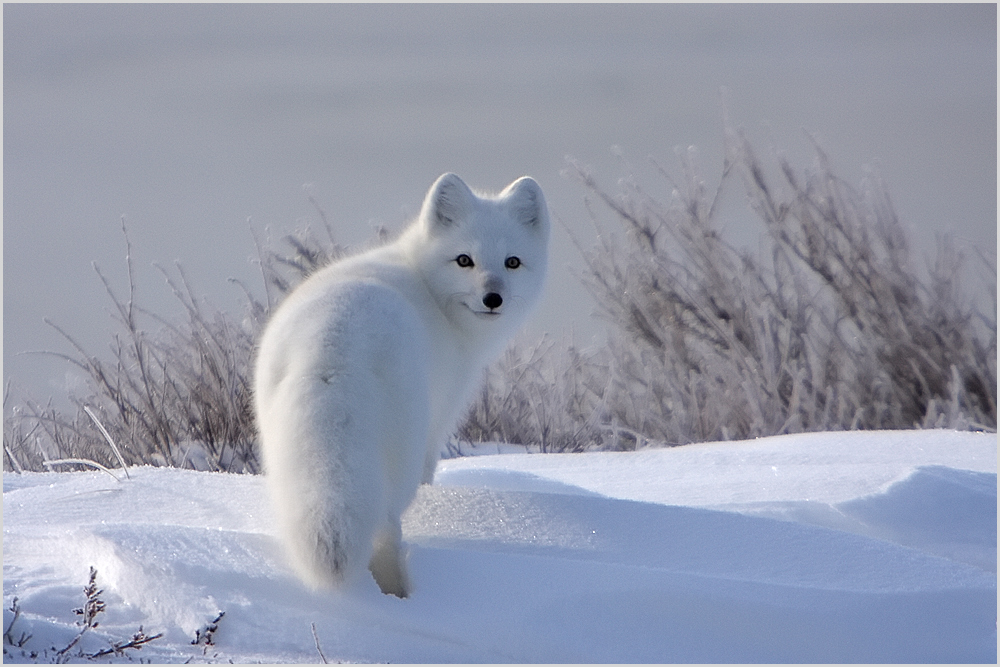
column 833, row 547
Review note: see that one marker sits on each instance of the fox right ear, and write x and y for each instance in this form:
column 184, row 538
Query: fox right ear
column 447, row 203
column 525, row 197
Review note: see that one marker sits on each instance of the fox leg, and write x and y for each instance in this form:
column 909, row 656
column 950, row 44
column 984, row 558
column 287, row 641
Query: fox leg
column 388, row 561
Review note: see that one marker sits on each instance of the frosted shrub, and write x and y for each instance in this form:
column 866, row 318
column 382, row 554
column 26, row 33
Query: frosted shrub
column 832, row 329
column 167, row 387
column 172, row 394
column 541, row 395
column 829, row 328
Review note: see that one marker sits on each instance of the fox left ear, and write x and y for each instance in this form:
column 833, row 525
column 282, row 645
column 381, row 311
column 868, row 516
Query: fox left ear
column 525, row 198
column 448, row 202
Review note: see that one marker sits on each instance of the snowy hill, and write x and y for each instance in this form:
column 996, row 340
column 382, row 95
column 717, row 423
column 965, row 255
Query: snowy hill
column 833, row 547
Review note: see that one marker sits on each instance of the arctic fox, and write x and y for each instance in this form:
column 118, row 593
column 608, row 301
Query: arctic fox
column 365, row 368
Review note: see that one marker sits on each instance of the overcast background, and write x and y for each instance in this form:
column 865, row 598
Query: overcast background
column 190, row 119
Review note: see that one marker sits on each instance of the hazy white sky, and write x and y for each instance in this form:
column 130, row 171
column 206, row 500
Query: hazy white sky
column 190, row 119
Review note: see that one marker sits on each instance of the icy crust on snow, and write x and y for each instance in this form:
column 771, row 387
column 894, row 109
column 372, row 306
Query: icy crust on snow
column 888, row 557
column 822, row 467
column 685, row 540
column 933, row 490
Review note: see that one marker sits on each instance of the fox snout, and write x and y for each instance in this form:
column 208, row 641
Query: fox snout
column 493, row 286
column 492, row 300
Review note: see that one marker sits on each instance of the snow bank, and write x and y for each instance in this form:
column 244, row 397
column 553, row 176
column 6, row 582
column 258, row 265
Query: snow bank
column 859, row 547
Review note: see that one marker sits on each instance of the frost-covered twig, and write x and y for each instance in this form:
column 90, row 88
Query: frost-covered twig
column 8, row 636
column 83, row 462
column 138, row 640
column 318, row 649
column 107, row 436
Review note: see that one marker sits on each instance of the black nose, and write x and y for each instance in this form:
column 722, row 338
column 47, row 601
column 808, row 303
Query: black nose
column 492, row 300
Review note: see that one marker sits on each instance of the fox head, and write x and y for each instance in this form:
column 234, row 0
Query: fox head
column 484, row 257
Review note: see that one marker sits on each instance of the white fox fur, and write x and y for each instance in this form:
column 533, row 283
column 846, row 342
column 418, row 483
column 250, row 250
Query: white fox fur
column 365, row 368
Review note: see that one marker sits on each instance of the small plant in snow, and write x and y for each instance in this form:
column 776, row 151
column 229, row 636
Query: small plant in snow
column 93, row 606
column 206, row 635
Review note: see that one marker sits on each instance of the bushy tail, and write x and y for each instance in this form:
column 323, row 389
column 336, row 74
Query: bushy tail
column 326, row 504
column 314, row 526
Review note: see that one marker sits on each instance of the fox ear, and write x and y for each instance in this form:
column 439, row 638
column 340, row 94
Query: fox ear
column 448, row 202
column 525, row 198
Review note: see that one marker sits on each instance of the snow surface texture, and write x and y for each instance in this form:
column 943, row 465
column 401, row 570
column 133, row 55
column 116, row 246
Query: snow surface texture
column 832, row 547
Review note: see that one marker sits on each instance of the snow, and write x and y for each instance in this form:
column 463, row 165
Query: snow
column 831, row 547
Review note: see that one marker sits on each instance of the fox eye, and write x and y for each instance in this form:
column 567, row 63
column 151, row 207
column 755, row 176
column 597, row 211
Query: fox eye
column 464, row 261
column 512, row 262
